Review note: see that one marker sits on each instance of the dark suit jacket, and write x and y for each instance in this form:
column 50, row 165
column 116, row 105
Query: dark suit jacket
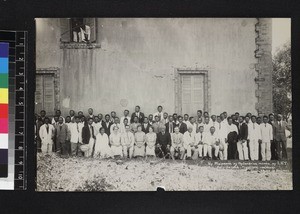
column 279, row 132
column 141, row 118
column 243, row 131
column 146, row 130
column 62, row 134
column 106, row 128
column 182, row 128
column 86, row 135
column 163, row 140
column 167, row 126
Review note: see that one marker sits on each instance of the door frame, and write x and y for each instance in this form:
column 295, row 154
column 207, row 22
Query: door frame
column 178, row 90
column 56, row 73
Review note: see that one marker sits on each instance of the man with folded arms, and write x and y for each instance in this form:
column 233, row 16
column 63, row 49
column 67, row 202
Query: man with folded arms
column 177, row 144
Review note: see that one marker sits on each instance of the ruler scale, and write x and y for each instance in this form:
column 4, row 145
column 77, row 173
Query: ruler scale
column 17, row 41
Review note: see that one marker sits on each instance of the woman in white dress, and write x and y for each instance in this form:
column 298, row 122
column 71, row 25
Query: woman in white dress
column 139, row 148
column 115, row 142
column 150, row 141
column 102, row 148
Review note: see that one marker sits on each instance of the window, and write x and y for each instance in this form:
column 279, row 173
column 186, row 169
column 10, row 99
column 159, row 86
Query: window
column 78, row 33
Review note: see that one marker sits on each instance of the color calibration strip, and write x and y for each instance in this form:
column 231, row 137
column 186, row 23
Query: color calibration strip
column 12, row 101
column 4, row 53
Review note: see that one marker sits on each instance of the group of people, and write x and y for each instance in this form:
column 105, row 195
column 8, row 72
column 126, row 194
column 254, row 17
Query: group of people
column 162, row 135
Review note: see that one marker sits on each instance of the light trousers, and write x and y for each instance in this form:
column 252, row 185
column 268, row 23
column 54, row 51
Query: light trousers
column 46, row 147
column 225, row 149
column 191, row 150
column 265, row 149
column 127, row 150
column 207, row 150
column 242, row 150
column 253, row 147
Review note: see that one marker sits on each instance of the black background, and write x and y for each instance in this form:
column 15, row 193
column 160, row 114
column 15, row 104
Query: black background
column 20, row 14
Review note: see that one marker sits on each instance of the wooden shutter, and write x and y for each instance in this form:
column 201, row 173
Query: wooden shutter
column 65, row 30
column 192, row 87
column 91, row 22
column 186, row 93
column 39, row 94
column 49, row 101
column 197, row 93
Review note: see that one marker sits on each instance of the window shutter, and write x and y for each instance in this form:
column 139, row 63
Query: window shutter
column 186, row 94
column 39, row 94
column 65, row 31
column 91, row 22
column 49, row 101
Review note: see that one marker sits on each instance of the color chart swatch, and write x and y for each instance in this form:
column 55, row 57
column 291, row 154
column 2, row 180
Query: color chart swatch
column 4, row 55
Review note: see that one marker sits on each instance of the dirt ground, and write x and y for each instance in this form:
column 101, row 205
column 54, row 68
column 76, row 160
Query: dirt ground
column 86, row 174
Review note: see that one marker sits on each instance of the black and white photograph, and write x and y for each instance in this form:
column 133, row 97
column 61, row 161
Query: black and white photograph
column 181, row 104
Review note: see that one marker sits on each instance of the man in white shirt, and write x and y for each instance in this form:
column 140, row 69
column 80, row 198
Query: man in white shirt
column 76, row 138
column 164, row 119
column 190, row 144
column 113, row 115
column 193, row 124
column 207, row 125
column 186, row 120
column 211, row 140
column 199, row 137
column 97, row 125
column 254, row 136
column 90, row 113
column 266, row 138
column 57, row 115
column 222, row 130
column 127, row 141
column 47, row 133
column 199, row 123
column 159, row 112
column 126, row 115
column 117, row 124
column 72, row 115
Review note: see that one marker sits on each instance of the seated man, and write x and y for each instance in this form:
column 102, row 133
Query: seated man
column 199, row 140
column 177, row 144
column 127, row 141
column 190, row 144
column 163, row 143
column 211, row 141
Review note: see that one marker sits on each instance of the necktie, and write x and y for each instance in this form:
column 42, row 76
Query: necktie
column 265, row 125
column 280, row 125
column 60, row 128
column 201, row 136
column 253, row 126
column 190, row 135
column 219, row 125
column 77, row 127
column 47, row 127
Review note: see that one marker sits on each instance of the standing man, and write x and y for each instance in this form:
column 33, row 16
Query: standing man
column 113, row 115
column 280, row 137
column 190, row 144
column 76, row 138
column 107, row 124
column 72, row 115
column 126, row 115
column 47, row 133
column 206, row 125
column 40, row 121
column 242, row 139
column 186, row 120
column 159, row 112
column 157, row 125
column 170, row 125
column 273, row 144
column 164, row 119
column 150, row 119
column 117, row 124
column 123, row 126
column 232, row 139
column 199, row 114
column 177, row 144
column 163, row 143
column 139, row 114
column 193, row 124
column 182, row 126
column 57, row 115
column 88, row 139
column 127, row 141
column 90, row 113
column 146, row 126
column 266, row 138
column 254, row 137
column 63, row 135
column 223, row 132
column 97, row 125
column 175, row 119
